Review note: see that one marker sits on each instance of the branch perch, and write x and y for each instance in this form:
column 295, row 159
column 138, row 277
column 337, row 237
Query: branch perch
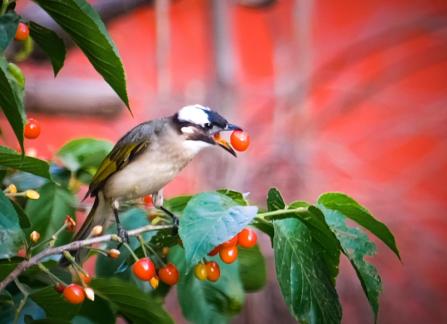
column 26, row 264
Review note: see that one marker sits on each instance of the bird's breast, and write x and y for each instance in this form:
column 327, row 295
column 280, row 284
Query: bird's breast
column 147, row 174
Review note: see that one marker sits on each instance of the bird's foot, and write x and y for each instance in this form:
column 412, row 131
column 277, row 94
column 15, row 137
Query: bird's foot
column 175, row 219
column 123, row 235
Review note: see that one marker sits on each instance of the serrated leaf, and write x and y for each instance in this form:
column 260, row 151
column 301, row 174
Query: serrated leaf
column 353, row 210
column 252, row 269
column 300, row 270
column 208, row 220
column 83, row 24
column 129, row 301
column 84, row 153
column 8, row 27
column 11, row 235
column 356, row 246
column 11, row 101
column 54, row 304
column 11, row 159
column 47, row 214
column 211, row 302
column 50, row 43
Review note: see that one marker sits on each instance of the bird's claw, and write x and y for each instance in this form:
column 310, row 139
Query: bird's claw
column 123, row 235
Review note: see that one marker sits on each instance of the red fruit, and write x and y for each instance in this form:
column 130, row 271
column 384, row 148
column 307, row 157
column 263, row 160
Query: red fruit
column 32, row 129
column 22, row 32
column 85, row 277
column 74, row 294
column 228, row 254
column 169, row 274
column 231, row 242
column 59, row 287
column 212, row 271
column 240, row 140
column 144, row 269
column 200, row 271
column 247, row 238
column 214, row 251
column 148, row 202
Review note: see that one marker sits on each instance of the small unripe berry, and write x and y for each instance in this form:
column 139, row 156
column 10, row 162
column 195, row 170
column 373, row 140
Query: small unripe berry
column 154, row 281
column 32, row 194
column 113, row 253
column 70, row 223
column 97, row 230
column 12, row 189
column 34, row 236
column 89, row 293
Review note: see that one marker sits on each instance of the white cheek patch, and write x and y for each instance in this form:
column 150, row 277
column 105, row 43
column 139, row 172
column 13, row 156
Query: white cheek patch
column 195, row 147
column 194, row 114
column 187, row 130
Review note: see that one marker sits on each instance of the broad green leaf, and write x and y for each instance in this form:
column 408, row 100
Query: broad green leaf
column 7, row 307
column 275, row 200
column 50, row 43
column 252, row 269
column 23, row 218
column 8, row 27
column 47, row 214
column 356, row 246
column 238, row 197
column 98, row 312
column 11, row 235
column 353, row 210
column 208, row 220
column 204, row 301
column 130, row 302
column 7, row 265
column 84, row 153
column 304, row 281
column 54, row 304
column 11, row 159
column 83, row 24
column 177, row 204
column 11, row 101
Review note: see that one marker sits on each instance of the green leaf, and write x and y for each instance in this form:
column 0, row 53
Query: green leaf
column 23, row 218
column 177, row 204
column 11, row 101
column 356, row 246
column 87, row 30
column 204, row 301
column 11, row 235
column 47, row 214
column 84, row 153
column 275, row 200
column 11, row 159
column 238, row 197
column 305, row 284
column 129, row 301
column 98, row 312
column 8, row 27
column 208, row 220
column 252, row 269
column 50, row 43
column 54, row 304
column 353, row 210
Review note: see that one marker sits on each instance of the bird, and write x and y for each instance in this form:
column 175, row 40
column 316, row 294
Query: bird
column 147, row 158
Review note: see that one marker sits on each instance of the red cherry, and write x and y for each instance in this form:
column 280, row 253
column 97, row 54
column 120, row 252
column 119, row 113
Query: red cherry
column 228, row 254
column 148, row 201
column 214, row 251
column 74, row 294
column 212, row 271
column 144, row 269
column 231, row 242
column 247, row 238
column 200, row 271
column 85, row 277
column 240, row 140
column 169, row 274
column 22, row 32
column 59, row 287
column 32, row 129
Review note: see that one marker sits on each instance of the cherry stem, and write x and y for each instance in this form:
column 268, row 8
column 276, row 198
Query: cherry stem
column 159, row 259
column 52, row 276
column 127, row 246
column 140, row 238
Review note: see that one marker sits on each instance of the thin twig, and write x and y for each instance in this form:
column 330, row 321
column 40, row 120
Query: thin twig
column 24, row 265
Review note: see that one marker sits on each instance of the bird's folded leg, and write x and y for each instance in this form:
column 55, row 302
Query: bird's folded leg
column 122, row 233
column 157, row 198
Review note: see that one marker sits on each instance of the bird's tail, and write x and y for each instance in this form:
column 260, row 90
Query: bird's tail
column 98, row 215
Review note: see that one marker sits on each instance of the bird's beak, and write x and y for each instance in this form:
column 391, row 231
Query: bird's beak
column 231, row 127
column 223, row 144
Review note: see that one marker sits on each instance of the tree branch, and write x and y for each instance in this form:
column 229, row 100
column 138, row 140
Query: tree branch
column 24, row 265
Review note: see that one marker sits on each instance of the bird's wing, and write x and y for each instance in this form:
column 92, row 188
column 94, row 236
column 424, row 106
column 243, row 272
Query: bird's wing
column 125, row 151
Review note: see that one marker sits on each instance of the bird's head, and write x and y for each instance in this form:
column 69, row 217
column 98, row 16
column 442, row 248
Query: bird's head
column 199, row 125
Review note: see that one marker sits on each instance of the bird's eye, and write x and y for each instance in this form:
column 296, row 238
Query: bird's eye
column 208, row 125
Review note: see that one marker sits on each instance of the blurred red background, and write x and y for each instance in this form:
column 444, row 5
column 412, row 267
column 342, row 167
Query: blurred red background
column 337, row 96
